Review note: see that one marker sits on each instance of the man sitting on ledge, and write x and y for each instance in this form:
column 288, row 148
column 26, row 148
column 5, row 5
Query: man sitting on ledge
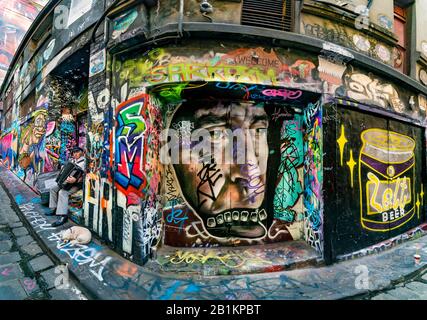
column 58, row 198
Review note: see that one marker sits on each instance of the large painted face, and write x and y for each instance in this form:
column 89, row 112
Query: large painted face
column 39, row 127
column 226, row 194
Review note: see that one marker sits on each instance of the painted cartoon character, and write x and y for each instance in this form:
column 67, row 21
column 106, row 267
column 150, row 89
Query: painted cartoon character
column 31, row 142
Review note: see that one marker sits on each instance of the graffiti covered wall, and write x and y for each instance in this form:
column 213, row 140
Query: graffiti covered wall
column 39, row 142
column 274, row 194
column 137, row 175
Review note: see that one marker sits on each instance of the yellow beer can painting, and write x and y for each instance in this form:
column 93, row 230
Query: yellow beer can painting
column 386, row 180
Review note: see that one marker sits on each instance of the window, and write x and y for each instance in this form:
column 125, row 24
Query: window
column 400, row 25
column 272, row 14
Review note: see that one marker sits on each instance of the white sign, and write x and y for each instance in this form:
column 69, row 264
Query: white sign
column 337, row 49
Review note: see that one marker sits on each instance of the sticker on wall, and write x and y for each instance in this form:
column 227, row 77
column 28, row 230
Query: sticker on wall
column 398, row 57
column 330, row 71
column 97, row 63
column 383, row 52
column 327, row 46
column 423, row 76
column 385, row 22
column 361, row 43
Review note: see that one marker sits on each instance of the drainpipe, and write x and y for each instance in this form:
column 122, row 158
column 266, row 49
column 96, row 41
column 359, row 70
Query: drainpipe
column 181, row 17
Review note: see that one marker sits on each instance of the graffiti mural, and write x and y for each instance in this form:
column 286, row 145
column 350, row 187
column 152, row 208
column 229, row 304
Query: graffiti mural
column 32, row 152
column 313, row 151
column 387, row 159
column 213, row 202
column 379, row 171
column 97, row 193
column 365, row 88
column 242, row 65
column 327, row 30
column 289, row 187
column 250, row 101
column 67, row 129
column 53, row 145
column 137, row 175
column 9, row 148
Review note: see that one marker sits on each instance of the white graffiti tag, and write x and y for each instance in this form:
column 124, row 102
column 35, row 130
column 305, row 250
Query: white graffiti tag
column 82, row 255
column 361, row 87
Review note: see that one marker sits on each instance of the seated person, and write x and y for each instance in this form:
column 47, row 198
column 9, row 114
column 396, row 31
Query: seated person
column 58, row 198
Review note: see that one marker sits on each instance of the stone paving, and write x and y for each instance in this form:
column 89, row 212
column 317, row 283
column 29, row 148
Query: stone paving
column 412, row 289
column 26, row 271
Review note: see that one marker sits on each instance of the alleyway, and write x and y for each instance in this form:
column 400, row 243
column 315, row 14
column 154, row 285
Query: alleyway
column 26, row 271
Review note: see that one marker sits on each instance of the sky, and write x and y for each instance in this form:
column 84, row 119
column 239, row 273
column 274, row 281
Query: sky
column 16, row 17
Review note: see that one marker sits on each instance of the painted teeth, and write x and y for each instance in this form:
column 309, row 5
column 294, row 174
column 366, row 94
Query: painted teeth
column 236, row 215
column 254, row 217
column 220, row 219
column 244, row 216
column 211, row 223
column 262, row 215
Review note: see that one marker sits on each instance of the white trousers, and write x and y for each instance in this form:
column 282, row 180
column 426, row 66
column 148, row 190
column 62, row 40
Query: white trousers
column 58, row 199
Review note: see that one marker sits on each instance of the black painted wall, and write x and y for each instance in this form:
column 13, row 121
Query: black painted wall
column 391, row 151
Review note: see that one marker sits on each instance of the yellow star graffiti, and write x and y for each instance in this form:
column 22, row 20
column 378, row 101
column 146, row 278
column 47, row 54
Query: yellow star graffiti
column 342, row 142
column 418, row 203
column 422, row 194
column 351, row 164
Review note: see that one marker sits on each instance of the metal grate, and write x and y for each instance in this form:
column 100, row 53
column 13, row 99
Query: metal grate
column 272, row 14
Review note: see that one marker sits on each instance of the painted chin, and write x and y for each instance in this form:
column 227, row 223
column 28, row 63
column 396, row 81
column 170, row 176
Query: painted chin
column 39, row 134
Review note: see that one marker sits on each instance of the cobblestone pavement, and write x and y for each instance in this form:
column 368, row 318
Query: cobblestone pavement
column 26, row 272
column 415, row 289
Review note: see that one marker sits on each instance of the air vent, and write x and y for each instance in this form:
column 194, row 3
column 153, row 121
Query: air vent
column 271, row 14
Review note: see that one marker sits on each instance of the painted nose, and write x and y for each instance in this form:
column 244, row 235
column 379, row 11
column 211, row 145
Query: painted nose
column 246, row 164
